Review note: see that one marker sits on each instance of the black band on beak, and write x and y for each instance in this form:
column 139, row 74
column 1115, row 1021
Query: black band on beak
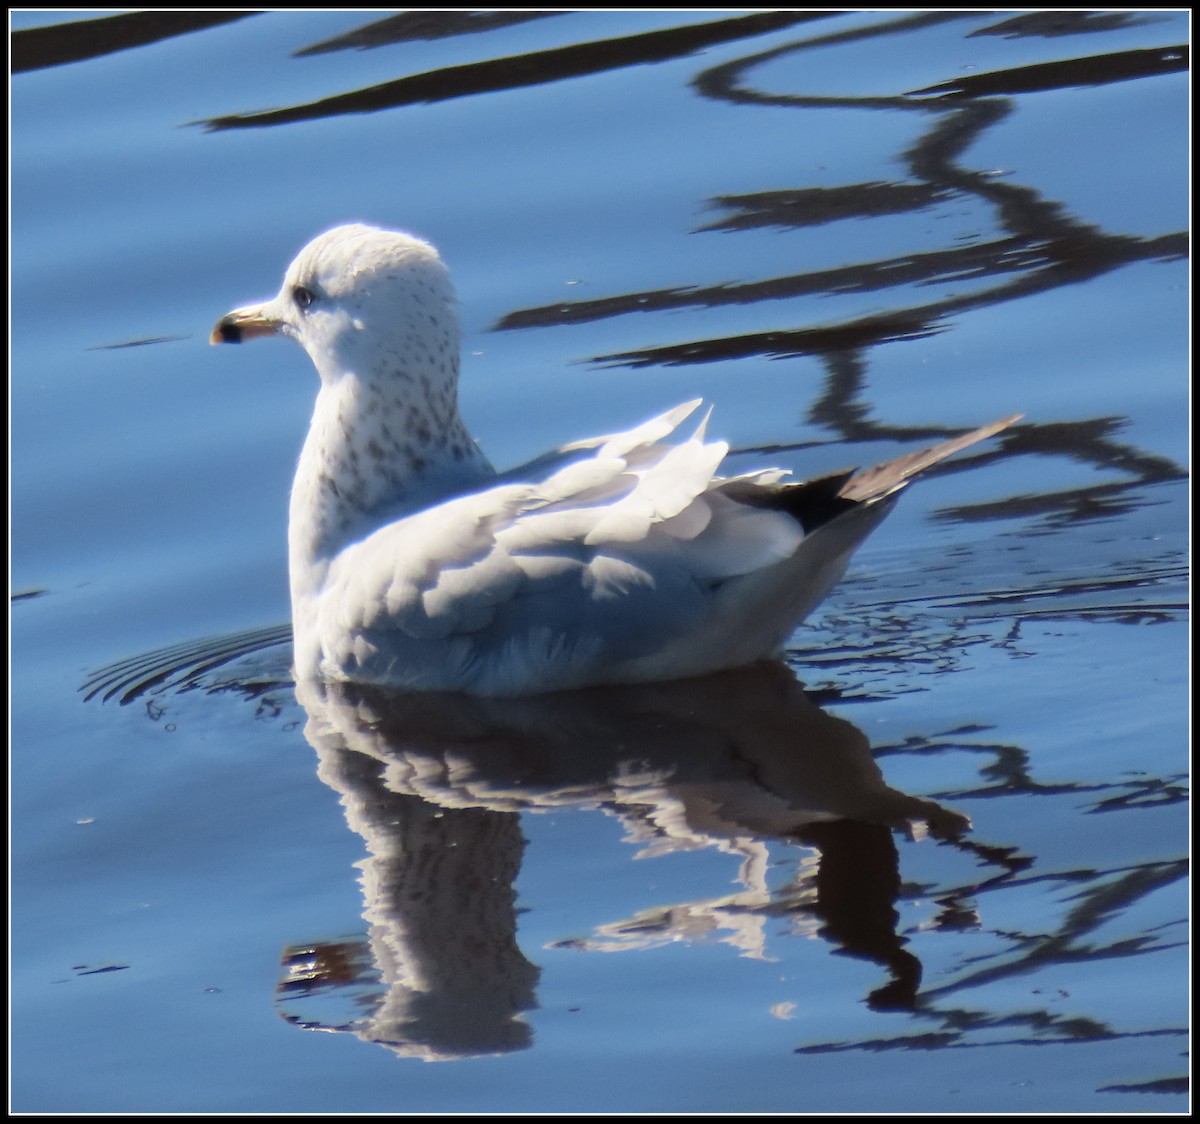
column 227, row 330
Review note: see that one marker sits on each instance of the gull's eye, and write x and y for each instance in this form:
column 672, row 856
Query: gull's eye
column 303, row 297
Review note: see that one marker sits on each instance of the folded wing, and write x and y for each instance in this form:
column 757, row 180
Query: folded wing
column 632, row 560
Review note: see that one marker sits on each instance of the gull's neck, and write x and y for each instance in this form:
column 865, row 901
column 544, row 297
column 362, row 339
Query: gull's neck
column 378, row 447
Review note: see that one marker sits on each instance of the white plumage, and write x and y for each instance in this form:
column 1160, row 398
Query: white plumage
column 615, row 560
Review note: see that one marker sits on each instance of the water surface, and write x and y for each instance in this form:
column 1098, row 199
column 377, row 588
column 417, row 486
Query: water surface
column 852, row 233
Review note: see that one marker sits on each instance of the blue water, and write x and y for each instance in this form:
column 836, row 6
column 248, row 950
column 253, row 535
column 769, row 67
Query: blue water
column 773, row 220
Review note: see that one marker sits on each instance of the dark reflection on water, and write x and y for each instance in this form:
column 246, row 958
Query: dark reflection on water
column 1007, row 770
column 887, row 648
column 518, row 71
column 34, row 48
column 409, row 26
column 1099, row 70
column 1089, row 442
column 1051, row 24
column 436, row 785
column 150, row 341
column 1042, row 248
column 744, row 762
column 1101, row 896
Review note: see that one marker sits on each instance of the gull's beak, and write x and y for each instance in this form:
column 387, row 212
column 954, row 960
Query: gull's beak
column 246, row 323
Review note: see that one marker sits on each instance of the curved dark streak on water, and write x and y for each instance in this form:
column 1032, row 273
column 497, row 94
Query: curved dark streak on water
column 1088, row 442
column 994, row 601
column 1106, row 893
column 1052, row 1029
column 147, row 342
column 1103, row 895
column 518, row 71
column 427, row 25
column 1096, row 70
column 721, row 82
column 1164, row 1085
column 804, row 207
column 1048, row 25
column 811, row 206
column 1009, row 772
column 1070, row 505
column 36, row 48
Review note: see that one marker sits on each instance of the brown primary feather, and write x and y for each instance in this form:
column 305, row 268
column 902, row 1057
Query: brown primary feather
column 890, row 475
column 815, row 502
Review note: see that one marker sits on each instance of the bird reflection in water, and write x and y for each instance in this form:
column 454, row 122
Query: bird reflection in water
column 436, row 785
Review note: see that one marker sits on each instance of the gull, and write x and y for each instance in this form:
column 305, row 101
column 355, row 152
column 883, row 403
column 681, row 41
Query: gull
column 619, row 559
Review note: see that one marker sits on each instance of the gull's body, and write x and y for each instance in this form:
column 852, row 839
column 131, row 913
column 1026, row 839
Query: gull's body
column 617, row 560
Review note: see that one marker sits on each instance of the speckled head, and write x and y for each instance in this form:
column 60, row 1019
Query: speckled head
column 363, row 300
column 375, row 311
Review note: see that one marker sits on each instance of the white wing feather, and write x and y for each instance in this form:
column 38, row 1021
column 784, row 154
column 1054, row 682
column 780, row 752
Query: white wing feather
column 602, row 561
column 632, row 561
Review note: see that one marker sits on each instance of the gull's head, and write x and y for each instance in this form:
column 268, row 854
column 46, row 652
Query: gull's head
column 358, row 298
